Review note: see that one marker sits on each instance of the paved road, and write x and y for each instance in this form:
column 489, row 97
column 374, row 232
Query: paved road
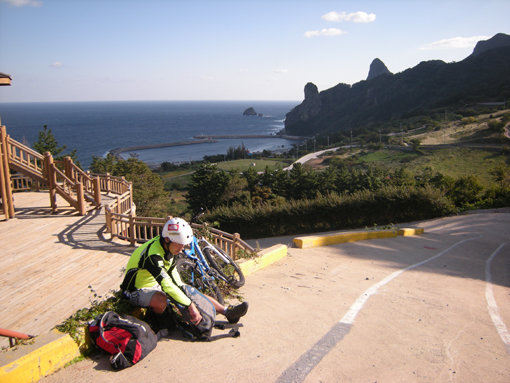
column 432, row 308
column 310, row 156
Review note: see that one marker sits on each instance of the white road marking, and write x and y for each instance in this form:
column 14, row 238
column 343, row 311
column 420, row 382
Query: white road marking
column 363, row 298
column 492, row 306
column 300, row 369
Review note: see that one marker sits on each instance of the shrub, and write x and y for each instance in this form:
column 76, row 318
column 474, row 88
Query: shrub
column 333, row 212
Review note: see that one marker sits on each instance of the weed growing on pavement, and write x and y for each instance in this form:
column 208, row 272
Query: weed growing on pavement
column 75, row 325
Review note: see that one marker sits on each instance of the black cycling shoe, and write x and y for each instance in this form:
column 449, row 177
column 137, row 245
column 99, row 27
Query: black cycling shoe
column 234, row 313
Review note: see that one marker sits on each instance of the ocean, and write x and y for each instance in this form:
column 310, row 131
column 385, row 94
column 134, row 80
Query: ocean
column 95, row 128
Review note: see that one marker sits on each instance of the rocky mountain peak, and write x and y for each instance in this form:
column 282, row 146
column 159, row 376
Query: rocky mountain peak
column 497, row 41
column 377, row 68
column 311, row 91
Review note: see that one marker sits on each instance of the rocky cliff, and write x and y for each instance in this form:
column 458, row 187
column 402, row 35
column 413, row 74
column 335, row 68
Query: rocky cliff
column 484, row 76
column 498, row 41
column 310, row 107
column 377, row 68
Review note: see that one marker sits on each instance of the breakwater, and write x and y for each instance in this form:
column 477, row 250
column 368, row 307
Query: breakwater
column 201, row 139
column 124, row 149
column 236, row 136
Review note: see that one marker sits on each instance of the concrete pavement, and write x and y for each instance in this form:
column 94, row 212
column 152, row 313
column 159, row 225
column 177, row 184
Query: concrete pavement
column 417, row 309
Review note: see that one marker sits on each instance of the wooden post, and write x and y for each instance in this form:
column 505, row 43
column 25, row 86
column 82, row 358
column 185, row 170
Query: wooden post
column 131, row 229
column 131, row 203
column 235, row 245
column 3, row 181
column 97, row 191
column 7, row 196
column 52, row 180
column 68, row 168
column 107, row 183
column 81, row 198
column 108, row 216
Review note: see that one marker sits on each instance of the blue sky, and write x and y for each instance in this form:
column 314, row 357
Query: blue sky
column 94, row 50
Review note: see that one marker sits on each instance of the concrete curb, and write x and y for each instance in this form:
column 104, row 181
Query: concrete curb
column 333, row 239
column 266, row 257
column 29, row 363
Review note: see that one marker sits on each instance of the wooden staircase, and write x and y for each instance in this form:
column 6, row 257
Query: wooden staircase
column 78, row 188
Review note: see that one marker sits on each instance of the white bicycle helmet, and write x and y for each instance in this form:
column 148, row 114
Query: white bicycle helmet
column 177, row 230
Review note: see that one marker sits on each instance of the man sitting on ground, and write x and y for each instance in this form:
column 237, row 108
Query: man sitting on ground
column 151, row 277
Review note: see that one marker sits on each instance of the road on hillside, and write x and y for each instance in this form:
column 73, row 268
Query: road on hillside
column 310, row 156
column 429, row 308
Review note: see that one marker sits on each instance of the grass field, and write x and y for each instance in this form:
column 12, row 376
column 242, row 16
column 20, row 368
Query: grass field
column 455, row 162
column 258, row 164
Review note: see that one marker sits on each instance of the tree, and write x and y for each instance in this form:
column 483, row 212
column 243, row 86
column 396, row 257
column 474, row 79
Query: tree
column 149, row 195
column 46, row 142
column 252, row 178
column 465, row 191
column 207, row 187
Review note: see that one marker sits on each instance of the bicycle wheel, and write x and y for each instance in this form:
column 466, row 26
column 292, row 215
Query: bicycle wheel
column 225, row 265
column 191, row 275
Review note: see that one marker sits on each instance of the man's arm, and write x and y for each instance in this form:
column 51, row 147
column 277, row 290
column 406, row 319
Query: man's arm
column 155, row 266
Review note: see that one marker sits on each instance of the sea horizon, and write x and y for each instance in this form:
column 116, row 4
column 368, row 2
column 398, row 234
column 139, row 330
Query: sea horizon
column 94, row 128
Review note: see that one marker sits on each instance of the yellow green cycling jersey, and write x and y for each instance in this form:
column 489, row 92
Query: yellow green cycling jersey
column 149, row 266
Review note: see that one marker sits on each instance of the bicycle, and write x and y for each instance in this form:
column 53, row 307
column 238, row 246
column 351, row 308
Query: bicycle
column 196, row 271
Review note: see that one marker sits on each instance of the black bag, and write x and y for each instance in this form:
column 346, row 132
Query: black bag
column 203, row 330
column 126, row 338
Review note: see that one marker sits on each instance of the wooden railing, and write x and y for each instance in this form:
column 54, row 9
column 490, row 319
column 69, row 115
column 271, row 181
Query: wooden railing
column 230, row 243
column 74, row 185
column 19, row 182
column 59, row 183
column 112, row 184
column 25, row 157
column 91, row 185
column 141, row 229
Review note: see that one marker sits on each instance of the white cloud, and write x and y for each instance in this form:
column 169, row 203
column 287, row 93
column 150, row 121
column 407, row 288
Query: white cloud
column 355, row 17
column 454, row 43
column 22, row 3
column 280, row 71
column 56, row 64
column 324, row 32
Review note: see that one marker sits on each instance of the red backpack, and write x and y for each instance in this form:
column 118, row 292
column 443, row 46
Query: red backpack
column 126, row 338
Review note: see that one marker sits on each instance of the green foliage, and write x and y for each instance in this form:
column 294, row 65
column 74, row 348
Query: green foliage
column 207, row 187
column 465, row 191
column 76, row 324
column 333, row 212
column 496, row 126
column 46, row 142
column 149, row 195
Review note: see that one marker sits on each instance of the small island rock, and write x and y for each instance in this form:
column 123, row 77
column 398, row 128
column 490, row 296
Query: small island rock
column 249, row 112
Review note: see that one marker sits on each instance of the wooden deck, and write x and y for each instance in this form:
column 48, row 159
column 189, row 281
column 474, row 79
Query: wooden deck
column 49, row 261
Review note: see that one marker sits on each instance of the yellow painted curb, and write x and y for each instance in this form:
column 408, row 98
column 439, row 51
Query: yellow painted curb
column 266, row 257
column 409, row 231
column 57, row 350
column 333, row 239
